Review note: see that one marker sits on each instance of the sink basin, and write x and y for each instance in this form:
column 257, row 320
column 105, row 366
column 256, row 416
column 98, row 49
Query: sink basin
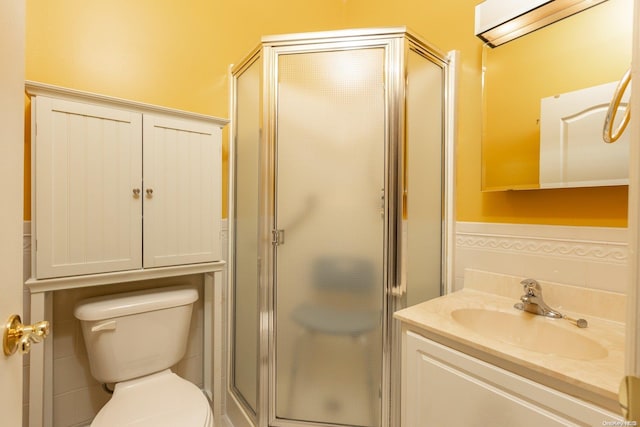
column 531, row 332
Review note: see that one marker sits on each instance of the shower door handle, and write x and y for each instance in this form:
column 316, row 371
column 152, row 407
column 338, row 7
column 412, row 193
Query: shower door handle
column 401, row 270
column 277, row 237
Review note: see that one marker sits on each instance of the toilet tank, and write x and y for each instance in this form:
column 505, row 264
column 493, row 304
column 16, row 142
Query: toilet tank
column 133, row 334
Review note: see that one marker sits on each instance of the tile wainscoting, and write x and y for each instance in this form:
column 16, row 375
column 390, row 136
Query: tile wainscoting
column 591, row 257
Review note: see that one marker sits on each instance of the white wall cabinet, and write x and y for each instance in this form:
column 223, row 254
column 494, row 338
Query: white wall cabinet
column 442, row 386
column 182, row 185
column 87, row 161
column 120, row 185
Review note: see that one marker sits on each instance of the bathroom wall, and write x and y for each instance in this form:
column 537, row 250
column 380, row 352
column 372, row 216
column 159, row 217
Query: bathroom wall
column 164, row 53
column 160, row 52
column 573, row 236
column 178, row 55
column 449, row 25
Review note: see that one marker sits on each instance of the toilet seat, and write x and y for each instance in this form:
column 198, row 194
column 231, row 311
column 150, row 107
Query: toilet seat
column 158, row 400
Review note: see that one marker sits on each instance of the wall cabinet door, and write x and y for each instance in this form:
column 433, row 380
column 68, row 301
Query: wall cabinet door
column 182, row 182
column 441, row 386
column 87, row 217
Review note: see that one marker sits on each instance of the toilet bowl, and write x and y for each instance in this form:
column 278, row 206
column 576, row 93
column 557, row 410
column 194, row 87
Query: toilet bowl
column 160, row 400
column 132, row 340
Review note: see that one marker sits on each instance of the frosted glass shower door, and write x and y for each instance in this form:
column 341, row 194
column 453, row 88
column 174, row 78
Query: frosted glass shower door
column 330, row 151
column 246, row 216
column 423, row 182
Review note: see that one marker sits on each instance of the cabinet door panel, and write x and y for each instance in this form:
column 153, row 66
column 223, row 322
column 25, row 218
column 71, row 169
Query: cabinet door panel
column 88, row 161
column 182, row 180
column 441, row 386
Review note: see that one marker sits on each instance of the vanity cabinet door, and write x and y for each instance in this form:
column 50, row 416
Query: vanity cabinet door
column 87, row 164
column 442, row 386
column 182, row 182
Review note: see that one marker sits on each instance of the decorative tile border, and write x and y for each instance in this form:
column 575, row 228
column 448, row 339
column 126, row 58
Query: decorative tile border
column 591, row 250
column 586, row 243
column 590, row 257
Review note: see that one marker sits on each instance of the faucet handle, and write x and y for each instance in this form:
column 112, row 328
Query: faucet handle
column 531, row 287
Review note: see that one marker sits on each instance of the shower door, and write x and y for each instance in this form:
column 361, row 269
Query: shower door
column 328, row 236
column 337, row 221
column 245, row 257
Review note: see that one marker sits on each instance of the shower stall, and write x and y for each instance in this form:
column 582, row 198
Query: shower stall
column 340, row 212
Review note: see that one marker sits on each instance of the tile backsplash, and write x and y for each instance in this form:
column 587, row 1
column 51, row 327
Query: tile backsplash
column 565, row 298
column 590, row 257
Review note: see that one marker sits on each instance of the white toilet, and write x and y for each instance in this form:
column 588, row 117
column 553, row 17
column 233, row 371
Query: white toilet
column 132, row 340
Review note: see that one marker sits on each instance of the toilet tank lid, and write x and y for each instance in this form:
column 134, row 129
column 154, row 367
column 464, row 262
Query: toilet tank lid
column 124, row 304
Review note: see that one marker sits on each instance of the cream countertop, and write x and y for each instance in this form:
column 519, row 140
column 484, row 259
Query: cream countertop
column 592, row 380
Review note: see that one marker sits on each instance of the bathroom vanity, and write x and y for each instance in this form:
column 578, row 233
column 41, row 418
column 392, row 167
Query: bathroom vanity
column 470, row 355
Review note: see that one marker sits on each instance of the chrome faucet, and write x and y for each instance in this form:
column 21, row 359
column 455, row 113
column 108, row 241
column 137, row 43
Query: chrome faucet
column 533, row 303
column 532, row 300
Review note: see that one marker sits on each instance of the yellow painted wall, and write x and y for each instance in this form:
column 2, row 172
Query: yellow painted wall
column 164, row 52
column 449, row 25
column 177, row 54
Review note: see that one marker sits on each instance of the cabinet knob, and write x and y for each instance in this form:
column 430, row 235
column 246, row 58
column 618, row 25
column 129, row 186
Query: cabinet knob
column 136, row 192
column 149, row 192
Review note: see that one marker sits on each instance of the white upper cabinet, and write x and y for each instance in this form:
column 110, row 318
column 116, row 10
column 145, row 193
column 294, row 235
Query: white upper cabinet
column 120, row 186
column 182, row 182
column 88, row 161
